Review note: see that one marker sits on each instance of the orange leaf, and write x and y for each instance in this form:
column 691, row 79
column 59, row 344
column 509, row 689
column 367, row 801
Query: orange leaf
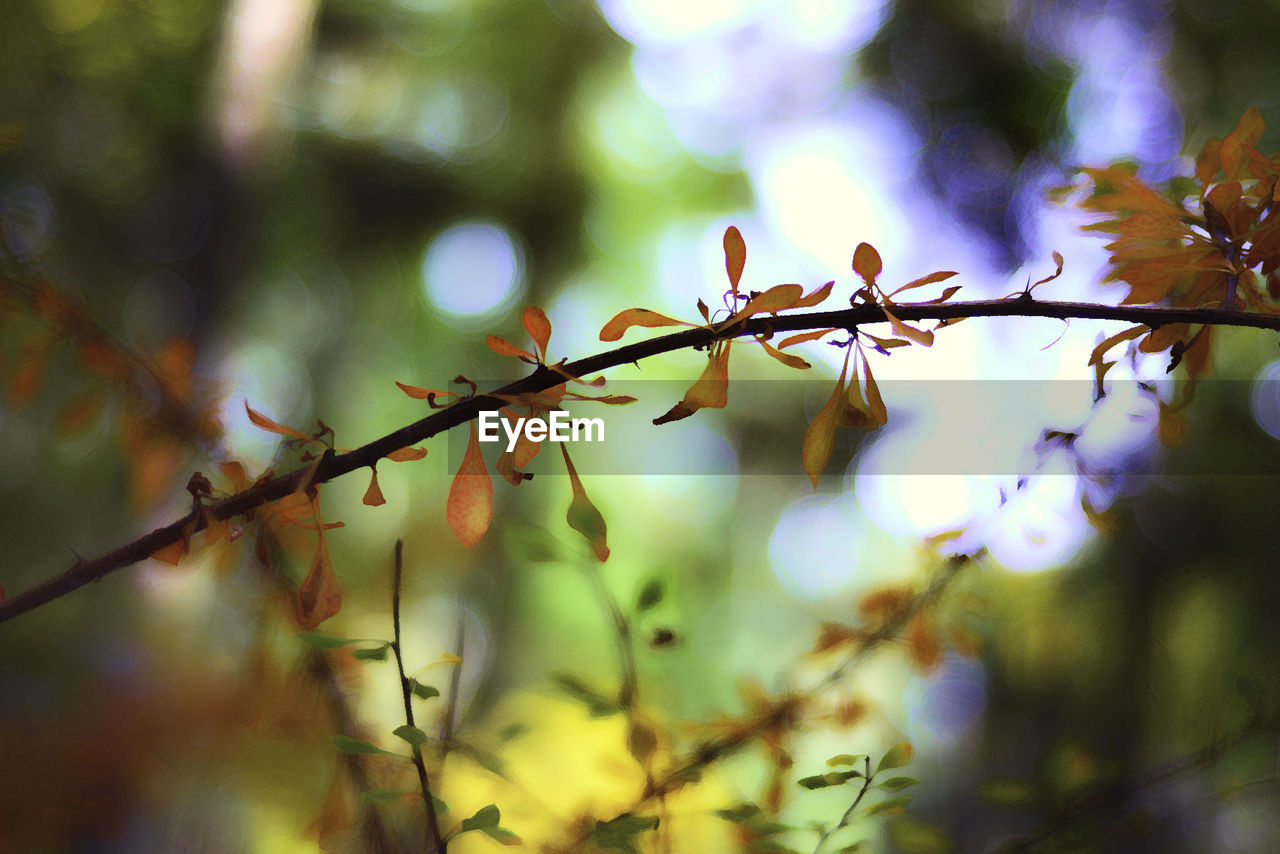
column 785, row 358
column 711, row 391
column 1057, row 259
column 735, row 257
column 373, row 495
column 777, row 298
column 802, row 337
column 267, row 424
column 867, row 263
column 947, row 293
column 80, row 413
column 319, row 596
column 1132, row 332
column 173, row 366
column 503, row 347
column 1233, row 152
column 234, row 472
column 924, row 280
column 815, row 297
column 583, row 516
column 886, row 343
column 923, row 647
column 171, row 553
column 407, row 454
column 539, row 329
column 624, row 320
column 874, row 402
column 819, row 439
column 423, row 393
column 29, row 376
column 833, row 635
column 923, row 337
column 470, row 507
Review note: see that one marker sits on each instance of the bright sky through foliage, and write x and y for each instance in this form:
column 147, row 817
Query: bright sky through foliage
column 847, row 173
column 473, row 268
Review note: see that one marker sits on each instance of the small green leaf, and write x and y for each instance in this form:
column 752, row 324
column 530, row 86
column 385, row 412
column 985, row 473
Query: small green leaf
column 859, row 847
column 1010, row 792
column 354, row 745
column 320, row 640
column 897, row 784
column 597, row 704
column 485, row 817
column 620, row 833
column 896, row 757
column 511, row 732
column 650, row 595
column 739, row 813
column 846, row 759
column 440, row 806
column 423, row 692
column 912, row 836
column 411, row 734
column 895, row 804
column 385, row 796
column 378, row 653
column 501, row 834
column 817, row 781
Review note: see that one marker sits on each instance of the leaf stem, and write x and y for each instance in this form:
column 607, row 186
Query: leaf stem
column 435, row 841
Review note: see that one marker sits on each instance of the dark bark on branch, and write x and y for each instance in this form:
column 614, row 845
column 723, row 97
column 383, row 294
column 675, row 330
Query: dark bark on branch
column 464, row 410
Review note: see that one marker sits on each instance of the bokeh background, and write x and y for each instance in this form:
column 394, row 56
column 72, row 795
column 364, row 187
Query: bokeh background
column 326, row 197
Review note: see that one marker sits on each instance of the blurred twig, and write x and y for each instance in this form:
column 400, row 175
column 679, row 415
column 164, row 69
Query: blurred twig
column 435, row 841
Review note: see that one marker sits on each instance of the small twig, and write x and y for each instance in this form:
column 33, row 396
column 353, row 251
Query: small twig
column 848, row 814
column 628, row 680
column 435, row 841
column 1109, row 798
column 711, row 752
column 455, row 682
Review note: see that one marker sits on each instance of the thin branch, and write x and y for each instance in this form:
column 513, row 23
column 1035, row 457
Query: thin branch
column 543, row 378
column 435, row 841
column 711, row 752
column 455, row 682
column 1114, row 797
column 867, row 777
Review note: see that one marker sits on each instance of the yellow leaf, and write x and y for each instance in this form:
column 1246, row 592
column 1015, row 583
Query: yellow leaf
column 470, row 506
column 624, row 320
